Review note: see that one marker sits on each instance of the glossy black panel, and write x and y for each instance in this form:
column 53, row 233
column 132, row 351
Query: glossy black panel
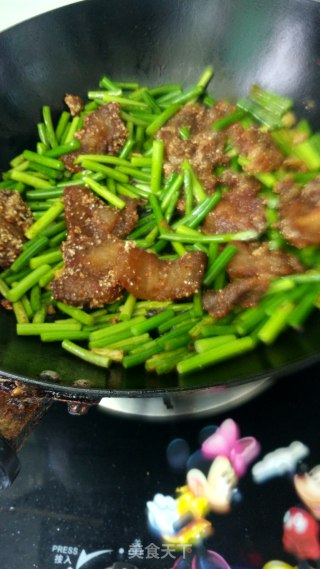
column 94, row 475
column 275, row 43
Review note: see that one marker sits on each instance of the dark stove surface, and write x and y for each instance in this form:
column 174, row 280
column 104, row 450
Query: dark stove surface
column 80, row 499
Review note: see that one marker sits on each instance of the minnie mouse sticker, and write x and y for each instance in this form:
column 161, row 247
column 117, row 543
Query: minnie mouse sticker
column 212, row 476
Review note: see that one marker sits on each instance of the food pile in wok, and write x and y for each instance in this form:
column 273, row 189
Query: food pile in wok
column 159, row 226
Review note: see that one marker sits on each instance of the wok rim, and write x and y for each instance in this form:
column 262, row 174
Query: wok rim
column 58, row 391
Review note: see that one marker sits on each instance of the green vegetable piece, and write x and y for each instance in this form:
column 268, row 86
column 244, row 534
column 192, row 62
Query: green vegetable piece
column 216, row 355
column 86, row 355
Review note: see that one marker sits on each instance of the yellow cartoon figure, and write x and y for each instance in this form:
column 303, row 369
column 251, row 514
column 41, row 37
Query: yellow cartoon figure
column 211, row 484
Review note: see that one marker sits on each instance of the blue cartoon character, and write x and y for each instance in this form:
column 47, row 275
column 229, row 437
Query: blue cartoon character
column 212, row 477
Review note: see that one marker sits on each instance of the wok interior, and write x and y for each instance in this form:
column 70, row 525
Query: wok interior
column 275, row 44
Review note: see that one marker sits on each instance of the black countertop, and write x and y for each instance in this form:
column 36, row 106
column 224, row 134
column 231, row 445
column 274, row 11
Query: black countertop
column 85, row 482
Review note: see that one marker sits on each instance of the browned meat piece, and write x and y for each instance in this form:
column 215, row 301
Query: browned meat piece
column 87, row 279
column 190, row 116
column 218, row 111
column 117, row 264
column 88, row 216
column 259, row 147
column 147, row 277
column 6, row 304
column 251, row 270
column 89, row 222
column 78, row 289
column 300, row 212
column 294, row 164
column 204, row 149
column 256, row 260
column 11, row 240
column 75, row 104
column 68, row 160
column 176, row 150
column 104, row 132
column 15, row 210
column 15, row 218
column 236, row 179
column 120, row 222
column 208, row 153
column 98, row 265
column 239, row 209
column 142, row 273
column 244, row 293
column 79, row 206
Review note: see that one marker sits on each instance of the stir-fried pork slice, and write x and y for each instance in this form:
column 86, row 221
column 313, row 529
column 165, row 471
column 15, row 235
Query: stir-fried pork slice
column 257, row 260
column 15, row 218
column 150, row 278
column 75, row 104
column 76, row 288
column 239, row 209
column 209, row 152
column 98, row 265
column 251, row 270
column 117, row 264
column 300, row 212
column 244, row 293
column 14, row 209
column 89, row 222
column 259, row 147
column 219, row 110
column 88, row 216
column 204, row 149
column 176, row 149
column 87, row 279
column 142, row 273
column 104, row 132
column 11, row 241
column 236, row 180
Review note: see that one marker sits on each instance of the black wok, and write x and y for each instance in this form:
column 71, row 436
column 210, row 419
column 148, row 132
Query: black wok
column 275, row 43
